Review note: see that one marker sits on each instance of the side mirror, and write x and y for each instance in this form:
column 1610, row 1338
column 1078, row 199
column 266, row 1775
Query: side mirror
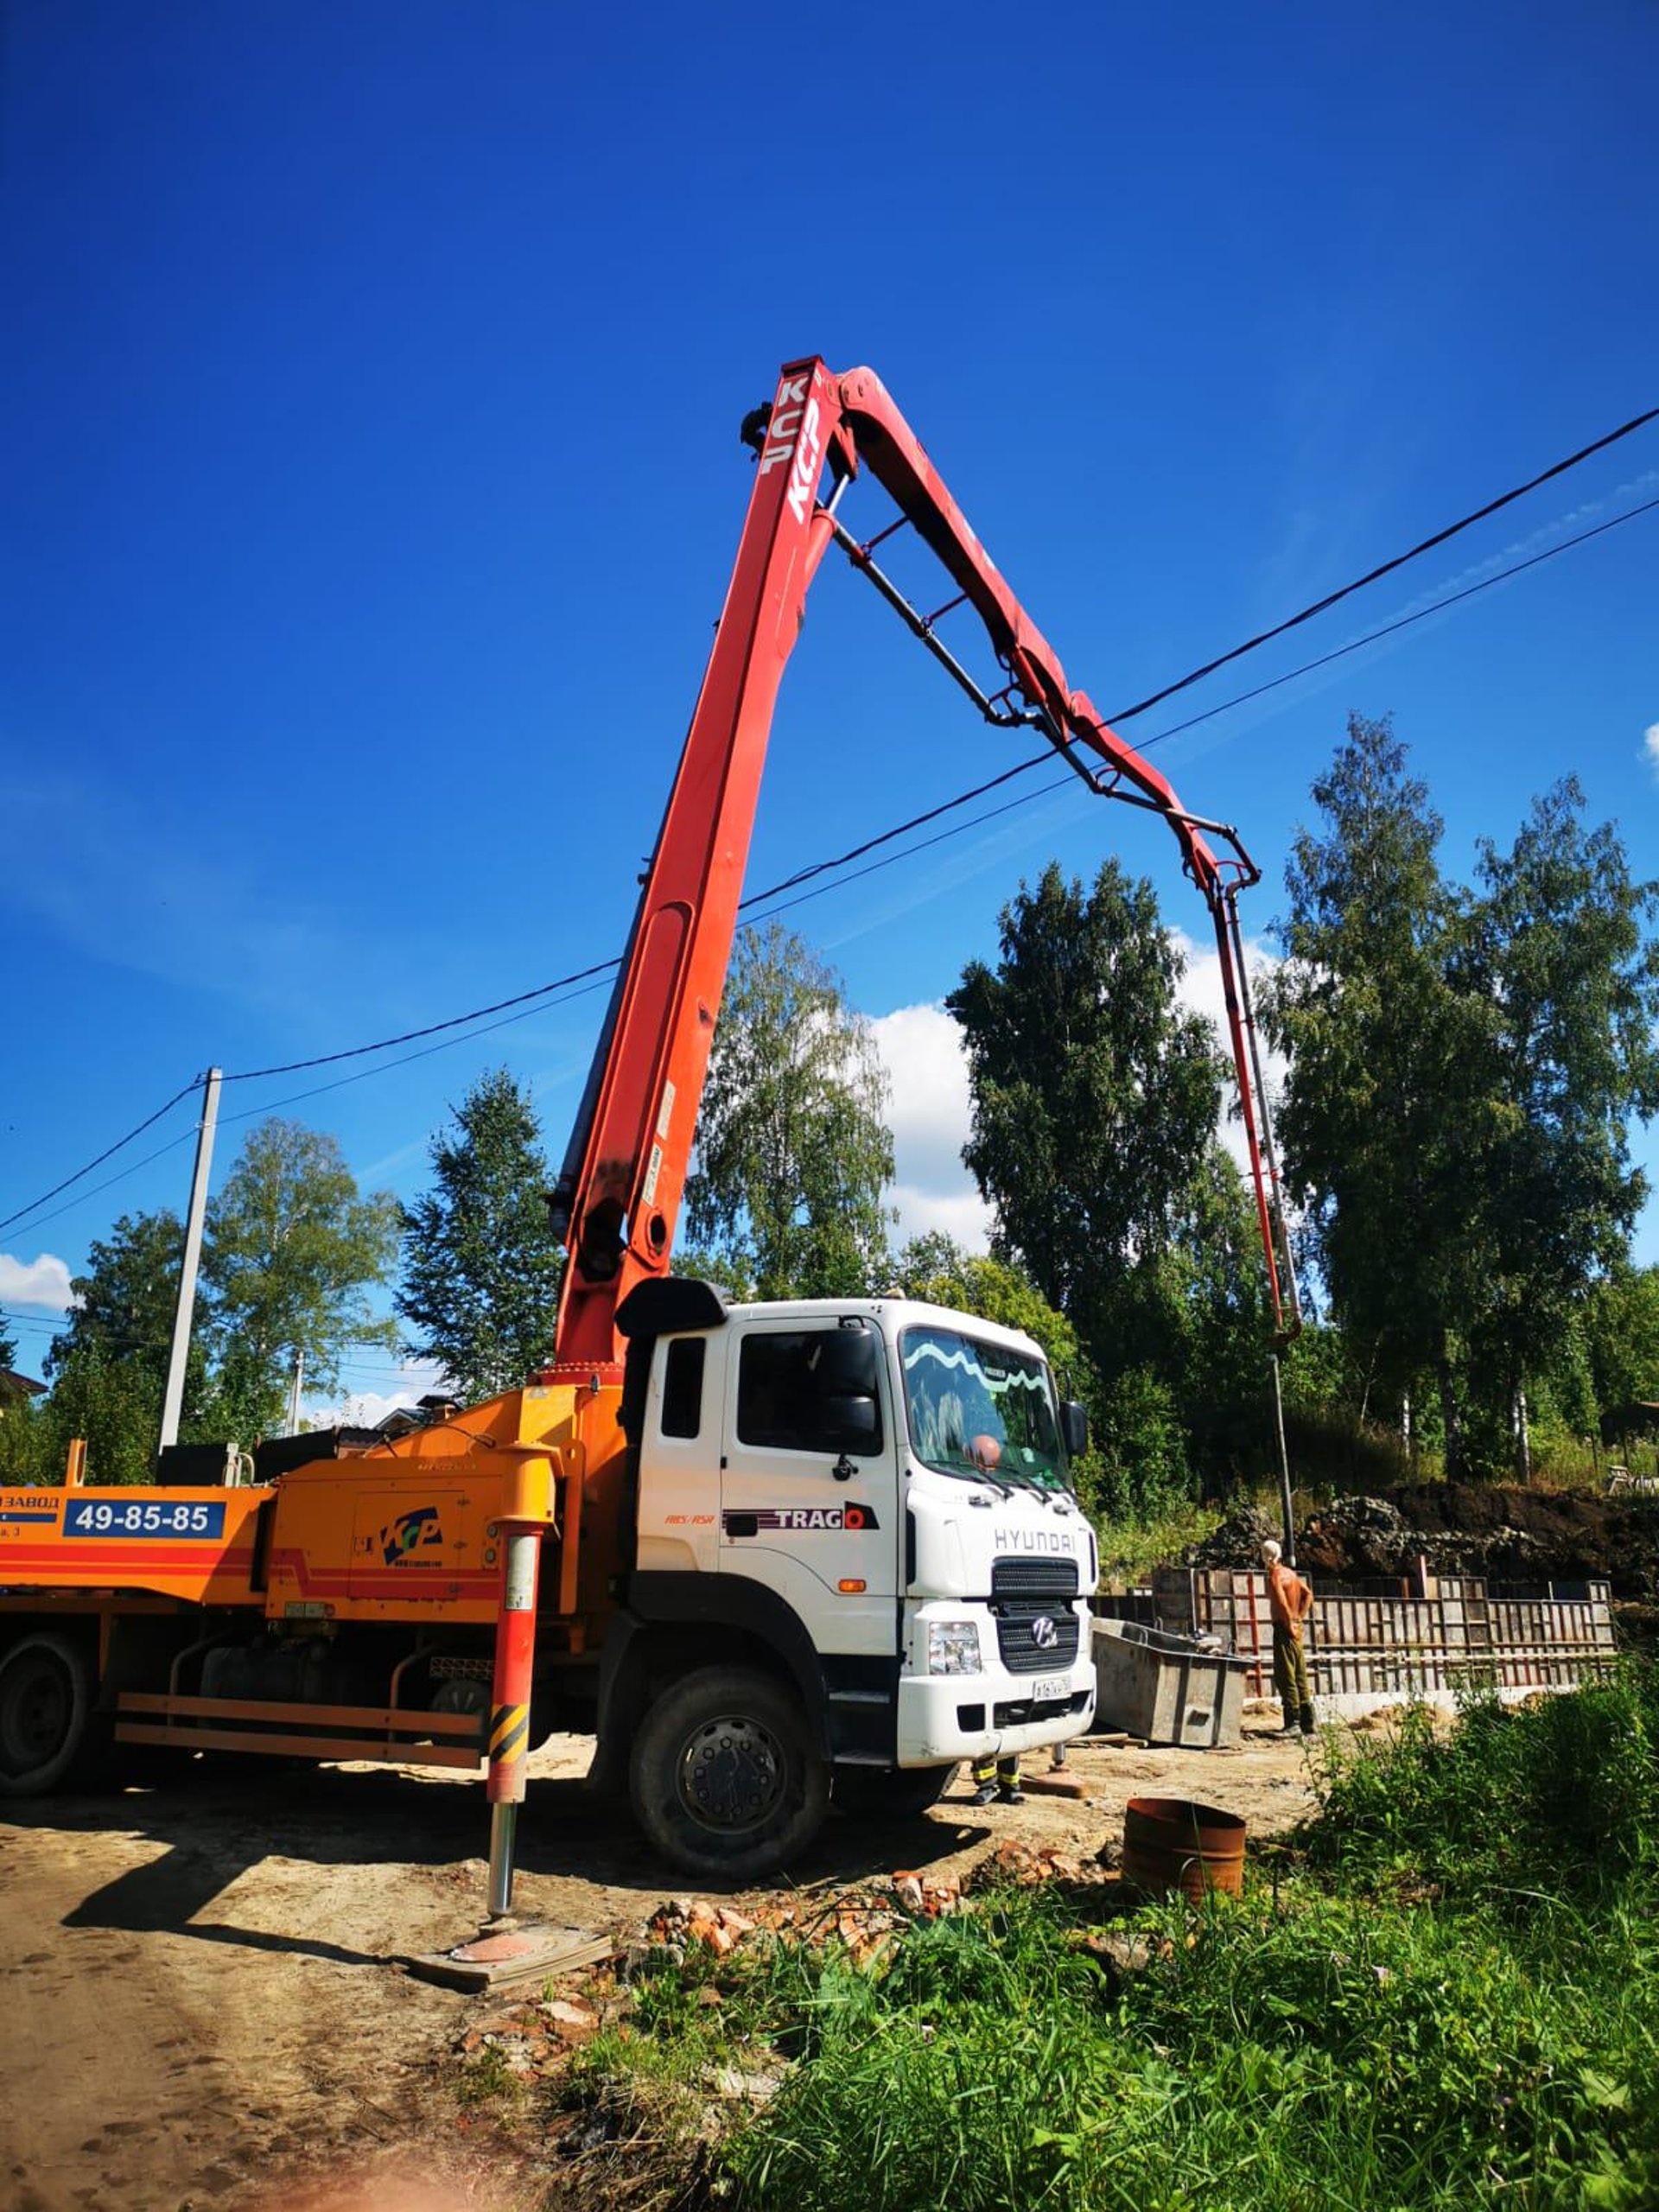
column 848, row 1362
column 1074, row 1427
column 853, row 1422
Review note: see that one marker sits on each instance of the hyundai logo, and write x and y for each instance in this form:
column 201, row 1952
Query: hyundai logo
column 1044, row 1634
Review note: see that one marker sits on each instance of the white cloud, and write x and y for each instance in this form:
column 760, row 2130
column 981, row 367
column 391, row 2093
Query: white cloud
column 930, row 1112
column 44, row 1282
column 931, row 1107
column 961, row 1214
column 362, row 1409
column 1650, row 745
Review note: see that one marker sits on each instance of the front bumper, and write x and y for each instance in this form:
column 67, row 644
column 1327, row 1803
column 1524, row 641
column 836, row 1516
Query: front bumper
column 945, row 1717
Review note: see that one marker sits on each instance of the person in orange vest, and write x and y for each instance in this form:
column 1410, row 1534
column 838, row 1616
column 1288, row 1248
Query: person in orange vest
column 1291, row 1602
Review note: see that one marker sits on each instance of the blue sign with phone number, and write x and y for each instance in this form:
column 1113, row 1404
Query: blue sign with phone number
column 100, row 1516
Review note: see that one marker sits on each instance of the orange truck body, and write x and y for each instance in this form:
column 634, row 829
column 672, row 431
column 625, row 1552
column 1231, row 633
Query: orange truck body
column 405, row 1538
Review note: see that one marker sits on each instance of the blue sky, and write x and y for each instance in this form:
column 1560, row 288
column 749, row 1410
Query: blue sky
column 372, row 484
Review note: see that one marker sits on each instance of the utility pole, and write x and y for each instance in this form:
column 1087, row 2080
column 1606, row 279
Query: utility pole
column 294, row 1394
column 184, row 1314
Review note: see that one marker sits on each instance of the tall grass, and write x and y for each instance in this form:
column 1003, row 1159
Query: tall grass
column 1452, row 1999
column 1325, row 2054
column 1518, row 1804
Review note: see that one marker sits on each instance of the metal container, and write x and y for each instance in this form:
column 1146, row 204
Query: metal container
column 1170, row 1843
column 1168, row 1688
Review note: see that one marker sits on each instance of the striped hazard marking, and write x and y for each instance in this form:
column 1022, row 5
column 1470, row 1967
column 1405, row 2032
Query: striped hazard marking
column 509, row 1728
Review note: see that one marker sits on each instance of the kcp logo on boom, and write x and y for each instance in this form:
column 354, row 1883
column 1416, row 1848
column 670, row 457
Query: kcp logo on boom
column 795, row 435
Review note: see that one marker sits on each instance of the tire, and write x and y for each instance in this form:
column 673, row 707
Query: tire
column 46, row 1698
column 871, row 1793
column 725, row 1777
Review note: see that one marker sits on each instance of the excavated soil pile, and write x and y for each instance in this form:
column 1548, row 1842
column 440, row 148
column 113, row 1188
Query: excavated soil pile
column 1505, row 1534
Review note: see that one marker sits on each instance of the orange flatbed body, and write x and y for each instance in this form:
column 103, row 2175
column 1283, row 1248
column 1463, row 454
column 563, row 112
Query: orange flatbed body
column 410, row 1530
column 195, row 1545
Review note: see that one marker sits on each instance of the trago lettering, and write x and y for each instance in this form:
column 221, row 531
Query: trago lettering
column 801, row 1519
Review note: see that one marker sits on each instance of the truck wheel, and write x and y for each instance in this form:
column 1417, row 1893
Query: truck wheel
column 726, row 1779
column 46, row 1694
column 873, row 1793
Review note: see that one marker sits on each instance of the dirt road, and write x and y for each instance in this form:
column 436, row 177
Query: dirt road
column 204, row 1984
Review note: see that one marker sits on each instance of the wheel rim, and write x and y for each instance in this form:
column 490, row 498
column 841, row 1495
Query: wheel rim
column 37, row 1710
column 731, row 1774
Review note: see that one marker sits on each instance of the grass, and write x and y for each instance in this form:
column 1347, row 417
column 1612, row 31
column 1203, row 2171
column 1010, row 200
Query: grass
column 1130, row 1548
column 1319, row 2055
column 486, row 2078
column 1450, row 1999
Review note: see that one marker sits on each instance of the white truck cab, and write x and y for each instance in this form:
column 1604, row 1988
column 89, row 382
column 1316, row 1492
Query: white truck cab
column 869, row 1497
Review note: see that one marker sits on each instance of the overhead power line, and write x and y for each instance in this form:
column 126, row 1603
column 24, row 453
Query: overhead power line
column 1147, row 745
column 1404, row 622
column 432, row 1028
column 39, row 1220
column 109, row 1153
column 900, row 829
column 591, row 975
column 1374, row 576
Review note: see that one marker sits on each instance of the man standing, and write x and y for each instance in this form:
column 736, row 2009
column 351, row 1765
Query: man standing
column 1291, row 1601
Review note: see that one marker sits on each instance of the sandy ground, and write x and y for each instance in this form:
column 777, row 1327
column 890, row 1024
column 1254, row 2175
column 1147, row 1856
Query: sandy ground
column 205, row 1993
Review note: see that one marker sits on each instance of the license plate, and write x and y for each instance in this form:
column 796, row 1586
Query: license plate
column 1046, row 1687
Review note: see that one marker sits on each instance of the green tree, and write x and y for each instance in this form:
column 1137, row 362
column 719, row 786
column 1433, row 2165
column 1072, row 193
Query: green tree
column 24, row 1449
column 108, row 1368
column 1556, row 946
column 1095, row 1097
column 480, row 1267
column 1142, row 1446
column 793, row 1156
column 29, row 1452
column 1464, row 1069
column 1621, row 1334
column 291, row 1253
column 1215, row 1311
column 1389, row 1115
column 115, row 1403
column 126, row 1297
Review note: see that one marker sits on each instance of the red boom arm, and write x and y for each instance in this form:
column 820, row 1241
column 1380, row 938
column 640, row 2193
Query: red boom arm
column 619, row 1194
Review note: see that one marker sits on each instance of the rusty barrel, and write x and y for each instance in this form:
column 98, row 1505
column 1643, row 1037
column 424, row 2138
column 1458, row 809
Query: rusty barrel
column 1170, row 1843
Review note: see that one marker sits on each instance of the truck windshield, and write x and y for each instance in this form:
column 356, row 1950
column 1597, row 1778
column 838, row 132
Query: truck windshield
column 975, row 1408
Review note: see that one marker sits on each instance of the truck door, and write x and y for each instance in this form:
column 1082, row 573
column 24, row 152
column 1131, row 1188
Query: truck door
column 809, row 1486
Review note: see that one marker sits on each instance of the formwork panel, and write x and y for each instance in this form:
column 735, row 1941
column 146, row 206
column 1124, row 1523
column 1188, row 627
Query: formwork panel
column 1451, row 1637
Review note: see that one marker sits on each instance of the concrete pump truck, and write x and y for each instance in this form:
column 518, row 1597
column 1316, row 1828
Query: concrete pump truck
column 771, row 1556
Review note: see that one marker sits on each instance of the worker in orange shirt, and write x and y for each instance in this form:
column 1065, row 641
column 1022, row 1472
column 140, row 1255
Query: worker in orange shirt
column 1291, row 1602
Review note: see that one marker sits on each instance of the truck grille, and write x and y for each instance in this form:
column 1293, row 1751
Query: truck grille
column 1034, row 1577
column 1025, row 1648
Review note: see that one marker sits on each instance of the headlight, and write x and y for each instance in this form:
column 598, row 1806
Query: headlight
column 953, row 1648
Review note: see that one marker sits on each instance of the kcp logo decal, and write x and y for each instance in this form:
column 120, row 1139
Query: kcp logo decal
column 409, row 1533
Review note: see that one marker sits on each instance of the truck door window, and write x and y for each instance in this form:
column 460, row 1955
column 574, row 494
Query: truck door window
column 683, row 1386
column 786, row 1401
